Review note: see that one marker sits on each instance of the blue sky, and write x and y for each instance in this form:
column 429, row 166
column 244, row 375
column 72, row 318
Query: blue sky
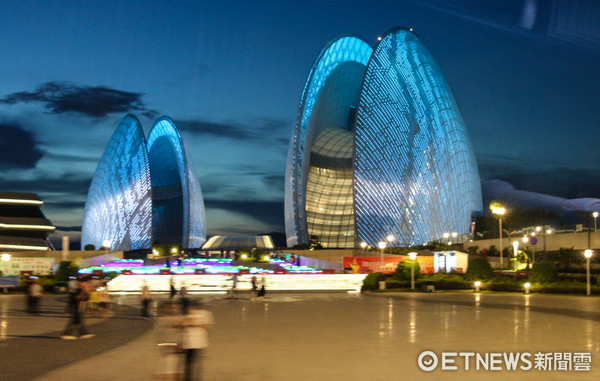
column 230, row 74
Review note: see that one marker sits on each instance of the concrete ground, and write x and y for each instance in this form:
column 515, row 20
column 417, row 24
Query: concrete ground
column 318, row 337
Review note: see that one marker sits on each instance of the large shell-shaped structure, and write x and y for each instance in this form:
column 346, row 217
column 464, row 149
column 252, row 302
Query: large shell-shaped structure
column 118, row 210
column 379, row 149
column 144, row 193
column 177, row 203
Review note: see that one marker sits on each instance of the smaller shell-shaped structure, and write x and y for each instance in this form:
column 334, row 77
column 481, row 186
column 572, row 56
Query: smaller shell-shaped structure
column 177, row 205
column 118, row 210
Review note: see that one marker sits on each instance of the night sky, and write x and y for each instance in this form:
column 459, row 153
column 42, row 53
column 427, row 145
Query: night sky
column 526, row 75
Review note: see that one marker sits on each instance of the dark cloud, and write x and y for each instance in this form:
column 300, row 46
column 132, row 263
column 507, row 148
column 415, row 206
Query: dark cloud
column 18, row 147
column 274, row 181
column 547, row 179
column 258, row 129
column 93, row 101
column 74, row 184
column 202, row 127
column 269, row 212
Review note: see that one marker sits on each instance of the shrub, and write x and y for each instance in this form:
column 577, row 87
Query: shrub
column 89, row 247
column 403, row 270
column 502, row 283
column 65, row 270
column 371, row 281
column 479, row 269
column 543, row 272
column 445, row 282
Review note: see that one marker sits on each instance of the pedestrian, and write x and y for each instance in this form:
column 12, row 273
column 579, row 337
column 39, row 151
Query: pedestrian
column 145, row 298
column 194, row 339
column 262, row 291
column 184, row 300
column 35, row 295
column 254, row 284
column 72, row 290
column 75, row 328
column 172, row 290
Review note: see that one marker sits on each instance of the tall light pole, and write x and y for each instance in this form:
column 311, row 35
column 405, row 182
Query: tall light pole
column 499, row 211
column 588, row 255
column 595, row 215
column 390, row 238
column 412, row 257
column 363, row 245
column 516, row 251
column 381, row 246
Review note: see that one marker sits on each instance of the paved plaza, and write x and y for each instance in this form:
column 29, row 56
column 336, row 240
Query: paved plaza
column 311, row 337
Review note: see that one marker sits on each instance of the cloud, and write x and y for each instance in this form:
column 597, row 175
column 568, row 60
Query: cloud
column 74, row 184
column 256, row 129
column 18, row 147
column 274, row 181
column 547, row 179
column 93, row 101
column 268, row 212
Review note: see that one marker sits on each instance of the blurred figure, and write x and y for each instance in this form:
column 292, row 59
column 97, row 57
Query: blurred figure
column 34, row 293
column 255, row 285
column 75, row 328
column 172, row 290
column 169, row 340
column 194, row 339
column 145, row 297
column 262, row 292
column 104, row 301
column 72, row 290
column 184, row 300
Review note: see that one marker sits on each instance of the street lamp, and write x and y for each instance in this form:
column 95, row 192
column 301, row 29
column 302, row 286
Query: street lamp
column 588, row 255
column 363, row 245
column 412, row 257
column 390, row 238
column 516, row 251
column 477, row 285
column 6, row 257
column 106, row 244
column 381, row 246
column 526, row 286
column 595, row 215
column 499, row 211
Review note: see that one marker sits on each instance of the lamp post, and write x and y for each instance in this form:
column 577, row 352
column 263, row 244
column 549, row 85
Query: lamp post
column 363, row 245
column 381, row 246
column 499, row 211
column 516, row 252
column 588, row 255
column 595, row 215
column 412, row 257
column 390, row 239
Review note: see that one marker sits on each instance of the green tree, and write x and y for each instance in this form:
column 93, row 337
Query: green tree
column 403, row 270
column 65, row 270
column 543, row 272
column 479, row 269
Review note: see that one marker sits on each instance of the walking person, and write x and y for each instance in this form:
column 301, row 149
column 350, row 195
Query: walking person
column 184, row 300
column 72, row 290
column 35, row 295
column 145, row 298
column 75, row 328
column 194, row 340
column 255, row 285
column 262, row 291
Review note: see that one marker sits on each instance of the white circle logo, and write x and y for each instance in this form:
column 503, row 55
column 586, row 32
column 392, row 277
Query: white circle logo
column 427, row 361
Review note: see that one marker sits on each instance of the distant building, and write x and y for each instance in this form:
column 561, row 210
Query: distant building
column 379, row 148
column 144, row 193
column 23, row 225
column 231, row 242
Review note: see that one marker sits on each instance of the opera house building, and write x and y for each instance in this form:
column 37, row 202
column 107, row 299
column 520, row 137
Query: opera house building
column 379, row 148
column 144, row 192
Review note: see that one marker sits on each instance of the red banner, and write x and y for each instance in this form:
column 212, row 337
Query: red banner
column 362, row 265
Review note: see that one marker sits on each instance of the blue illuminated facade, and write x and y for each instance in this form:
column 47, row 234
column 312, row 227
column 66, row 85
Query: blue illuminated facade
column 379, row 148
column 144, row 193
column 118, row 209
